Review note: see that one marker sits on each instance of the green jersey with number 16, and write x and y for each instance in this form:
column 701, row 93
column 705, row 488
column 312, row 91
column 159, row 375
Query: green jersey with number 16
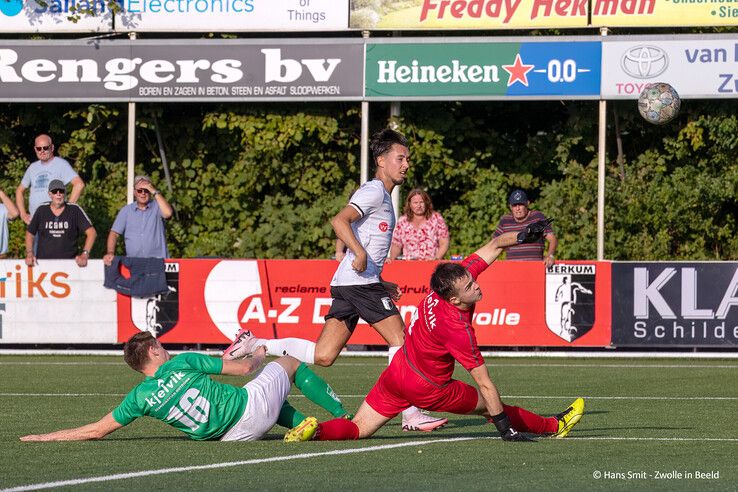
column 182, row 395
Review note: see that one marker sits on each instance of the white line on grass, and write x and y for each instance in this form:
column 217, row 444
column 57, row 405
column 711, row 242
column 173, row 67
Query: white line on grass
column 530, row 397
column 383, row 364
column 162, row 471
column 337, row 452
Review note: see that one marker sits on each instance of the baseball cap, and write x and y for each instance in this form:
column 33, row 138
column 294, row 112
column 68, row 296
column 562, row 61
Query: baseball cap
column 517, row 196
column 56, row 184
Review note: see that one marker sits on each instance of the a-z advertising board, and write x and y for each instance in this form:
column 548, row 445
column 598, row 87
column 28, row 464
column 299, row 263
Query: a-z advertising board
column 432, row 69
column 675, row 304
column 232, row 15
column 55, row 302
column 696, row 66
column 182, row 70
column 523, row 304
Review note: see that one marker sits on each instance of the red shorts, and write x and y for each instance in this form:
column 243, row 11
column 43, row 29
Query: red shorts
column 399, row 387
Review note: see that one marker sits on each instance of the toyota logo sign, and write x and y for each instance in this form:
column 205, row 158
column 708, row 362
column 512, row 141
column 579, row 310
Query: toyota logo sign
column 644, row 62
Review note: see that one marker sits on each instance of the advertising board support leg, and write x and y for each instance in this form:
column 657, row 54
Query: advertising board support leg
column 131, row 143
column 364, row 142
column 601, row 154
column 394, row 124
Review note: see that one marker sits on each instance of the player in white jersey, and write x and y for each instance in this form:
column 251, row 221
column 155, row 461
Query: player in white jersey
column 365, row 226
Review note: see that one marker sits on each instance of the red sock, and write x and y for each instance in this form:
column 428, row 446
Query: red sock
column 337, row 430
column 525, row 421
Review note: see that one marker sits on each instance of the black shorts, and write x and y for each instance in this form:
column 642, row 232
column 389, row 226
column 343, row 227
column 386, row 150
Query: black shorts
column 371, row 302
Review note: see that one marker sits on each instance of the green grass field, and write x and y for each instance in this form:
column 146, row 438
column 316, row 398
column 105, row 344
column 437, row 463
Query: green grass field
column 644, row 417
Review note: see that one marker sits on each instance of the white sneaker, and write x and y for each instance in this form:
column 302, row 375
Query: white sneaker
column 420, row 421
column 243, row 345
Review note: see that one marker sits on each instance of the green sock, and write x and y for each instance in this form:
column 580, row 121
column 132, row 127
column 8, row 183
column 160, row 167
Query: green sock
column 318, row 391
column 289, row 416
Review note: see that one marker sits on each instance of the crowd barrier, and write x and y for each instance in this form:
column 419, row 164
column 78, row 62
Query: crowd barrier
column 573, row 304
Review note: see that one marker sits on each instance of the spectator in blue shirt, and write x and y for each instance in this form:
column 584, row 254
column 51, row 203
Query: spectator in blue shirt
column 8, row 211
column 141, row 223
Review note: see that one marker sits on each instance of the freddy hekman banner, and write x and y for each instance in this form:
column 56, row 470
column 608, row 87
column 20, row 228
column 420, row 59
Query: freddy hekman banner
column 675, row 304
column 180, row 70
column 630, row 64
column 468, row 14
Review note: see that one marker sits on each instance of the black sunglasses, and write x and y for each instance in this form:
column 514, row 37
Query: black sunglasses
column 58, row 190
column 45, row 147
column 142, row 190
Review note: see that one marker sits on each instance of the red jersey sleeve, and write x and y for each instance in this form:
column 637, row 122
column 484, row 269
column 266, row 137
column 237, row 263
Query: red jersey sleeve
column 461, row 343
column 474, row 265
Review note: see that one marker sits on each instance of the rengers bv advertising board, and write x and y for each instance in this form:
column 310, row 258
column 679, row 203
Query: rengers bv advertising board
column 675, row 304
column 181, row 70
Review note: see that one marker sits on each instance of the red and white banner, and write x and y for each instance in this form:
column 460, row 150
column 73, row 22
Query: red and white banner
column 523, row 304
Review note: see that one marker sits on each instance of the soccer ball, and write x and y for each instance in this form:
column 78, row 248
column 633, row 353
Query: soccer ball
column 659, row 103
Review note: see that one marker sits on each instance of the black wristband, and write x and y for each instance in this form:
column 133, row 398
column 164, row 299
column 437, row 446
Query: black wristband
column 501, row 422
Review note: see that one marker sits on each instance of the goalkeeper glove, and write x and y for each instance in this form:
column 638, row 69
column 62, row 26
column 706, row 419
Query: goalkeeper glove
column 534, row 232
column 506, row 430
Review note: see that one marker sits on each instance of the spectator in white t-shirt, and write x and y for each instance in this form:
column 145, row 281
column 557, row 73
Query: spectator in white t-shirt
column 8, row 211
column 40, row 173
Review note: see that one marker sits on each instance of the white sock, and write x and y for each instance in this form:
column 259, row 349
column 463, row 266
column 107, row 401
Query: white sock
column 412, row 410
column 303, row 350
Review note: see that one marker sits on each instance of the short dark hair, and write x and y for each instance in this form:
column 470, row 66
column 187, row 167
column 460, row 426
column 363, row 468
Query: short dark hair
column 382, row 142
column 136, row 350
column 445, row 276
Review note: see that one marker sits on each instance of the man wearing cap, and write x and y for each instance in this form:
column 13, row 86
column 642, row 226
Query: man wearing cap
column 518, row 219
column 141, row 223
column 40, row 173
column 58, row 225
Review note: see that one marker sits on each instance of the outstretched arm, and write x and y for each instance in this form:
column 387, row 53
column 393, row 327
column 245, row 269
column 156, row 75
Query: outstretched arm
column 96, row 430
column 532, row 233
column 490, row 251
column 247, row 365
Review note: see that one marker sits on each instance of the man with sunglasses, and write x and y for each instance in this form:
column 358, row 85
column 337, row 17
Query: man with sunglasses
column 59, row 225
column 40, row 173
column 141, row 223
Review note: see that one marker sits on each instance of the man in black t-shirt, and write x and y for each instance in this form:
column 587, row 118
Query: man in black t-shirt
column 58, row 225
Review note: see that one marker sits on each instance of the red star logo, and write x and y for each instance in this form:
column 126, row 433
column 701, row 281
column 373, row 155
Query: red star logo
column 518, row 71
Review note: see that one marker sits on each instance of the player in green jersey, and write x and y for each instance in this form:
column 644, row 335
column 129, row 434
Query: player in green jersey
column 179, row 391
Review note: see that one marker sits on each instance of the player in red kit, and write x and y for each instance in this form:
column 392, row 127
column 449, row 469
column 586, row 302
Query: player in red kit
column 439, row 335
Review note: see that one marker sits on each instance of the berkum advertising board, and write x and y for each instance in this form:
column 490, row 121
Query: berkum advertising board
column 55, row 301
column 198, row 70
column 468, row 14
column 431, row 69
column 232, row 15
column 675, row 304
column 695, row 66
column 655, row 13
column 210, row 300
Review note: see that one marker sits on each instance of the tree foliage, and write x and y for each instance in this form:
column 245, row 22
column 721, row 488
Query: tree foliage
column 264, row 180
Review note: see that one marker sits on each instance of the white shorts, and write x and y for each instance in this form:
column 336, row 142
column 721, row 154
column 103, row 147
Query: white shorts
column 267, row 392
